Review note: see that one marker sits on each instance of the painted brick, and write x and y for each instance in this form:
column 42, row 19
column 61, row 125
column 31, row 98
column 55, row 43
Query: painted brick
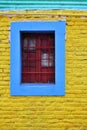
column 47, row 113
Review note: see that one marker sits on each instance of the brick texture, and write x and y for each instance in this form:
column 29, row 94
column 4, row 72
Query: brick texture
column 47, row 113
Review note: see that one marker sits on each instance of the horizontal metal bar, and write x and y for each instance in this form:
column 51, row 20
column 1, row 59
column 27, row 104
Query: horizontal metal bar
column 38, row 72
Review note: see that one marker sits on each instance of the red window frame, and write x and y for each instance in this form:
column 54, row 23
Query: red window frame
column 38, row 57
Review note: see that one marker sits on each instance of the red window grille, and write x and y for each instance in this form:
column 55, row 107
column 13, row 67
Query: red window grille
column 38, row 57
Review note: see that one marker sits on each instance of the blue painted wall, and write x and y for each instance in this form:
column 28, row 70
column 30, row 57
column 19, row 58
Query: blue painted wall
column 42, row 4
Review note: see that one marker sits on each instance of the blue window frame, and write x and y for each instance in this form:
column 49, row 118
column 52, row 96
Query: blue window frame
column 28, row 89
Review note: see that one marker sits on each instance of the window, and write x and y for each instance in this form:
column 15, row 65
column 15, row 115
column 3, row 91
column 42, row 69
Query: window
column 38, row 58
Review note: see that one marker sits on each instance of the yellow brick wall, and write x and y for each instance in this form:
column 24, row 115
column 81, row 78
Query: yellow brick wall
column 47, row 113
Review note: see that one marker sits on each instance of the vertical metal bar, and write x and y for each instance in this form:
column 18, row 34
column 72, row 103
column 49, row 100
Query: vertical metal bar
column 49, row 59
column 39, row 49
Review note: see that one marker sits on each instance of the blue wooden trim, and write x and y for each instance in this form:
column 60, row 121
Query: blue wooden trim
column 20, row 2
column 17, row 88
column 43, row 5
column 58, row 7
